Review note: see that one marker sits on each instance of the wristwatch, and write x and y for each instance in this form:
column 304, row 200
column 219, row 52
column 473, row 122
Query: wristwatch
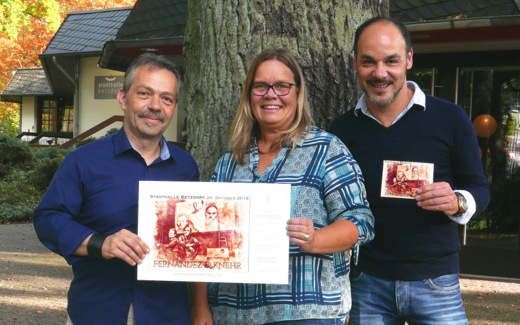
column 463, row 205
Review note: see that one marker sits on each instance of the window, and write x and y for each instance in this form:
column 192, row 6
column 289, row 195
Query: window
column 48, row 115
column 425, row 78
column 491, row 97
column 55, row 115
column 67, row 119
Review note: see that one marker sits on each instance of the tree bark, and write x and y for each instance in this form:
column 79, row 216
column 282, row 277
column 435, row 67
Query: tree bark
column 223, row 36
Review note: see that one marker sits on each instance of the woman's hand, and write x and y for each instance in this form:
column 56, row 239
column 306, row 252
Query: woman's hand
column 339, row 236
column 301, row 233
column 201, row 313
column 202, row 316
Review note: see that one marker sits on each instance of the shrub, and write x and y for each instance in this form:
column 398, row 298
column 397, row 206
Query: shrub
column 84, row 141
column 43, row 172
column 19, row 197
column 47, row 162
column 14, row 153
column 25, row 175
column 91, row 139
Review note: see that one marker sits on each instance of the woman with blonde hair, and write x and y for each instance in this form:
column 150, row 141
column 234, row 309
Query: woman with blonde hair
column 273, row 140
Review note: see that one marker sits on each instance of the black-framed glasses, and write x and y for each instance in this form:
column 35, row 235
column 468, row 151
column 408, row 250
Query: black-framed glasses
column 279, row 88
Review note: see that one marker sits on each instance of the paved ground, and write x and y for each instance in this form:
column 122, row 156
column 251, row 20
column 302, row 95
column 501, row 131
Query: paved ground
column 34, row 283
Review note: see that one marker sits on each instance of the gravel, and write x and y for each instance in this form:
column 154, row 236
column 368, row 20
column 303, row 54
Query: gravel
column 34, row 284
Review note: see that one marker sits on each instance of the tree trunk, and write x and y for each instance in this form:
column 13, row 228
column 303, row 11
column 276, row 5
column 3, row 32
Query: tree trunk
column 223, row 36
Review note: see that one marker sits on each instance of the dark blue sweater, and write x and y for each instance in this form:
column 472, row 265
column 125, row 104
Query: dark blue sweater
column 411, row 243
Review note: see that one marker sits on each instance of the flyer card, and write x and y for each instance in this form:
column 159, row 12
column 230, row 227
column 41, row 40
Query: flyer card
column 401, row 179
column 214, row 232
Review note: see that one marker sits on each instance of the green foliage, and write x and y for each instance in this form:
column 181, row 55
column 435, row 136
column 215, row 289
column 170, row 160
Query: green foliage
column 19, row 198
column 9, row 120
column 47, row 162
column 25, row 174
column 477, row 225
column 16, row 14
column 111, row 131
column 92, row 139
column 85, row 141
column 14, row 152
column 503, row 213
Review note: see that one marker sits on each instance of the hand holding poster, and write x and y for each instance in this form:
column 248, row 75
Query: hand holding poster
column 214, row 232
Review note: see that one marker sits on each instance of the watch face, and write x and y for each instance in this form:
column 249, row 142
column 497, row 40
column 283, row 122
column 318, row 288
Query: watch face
column 463, row 204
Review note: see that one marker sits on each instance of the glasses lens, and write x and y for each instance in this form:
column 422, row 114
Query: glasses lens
column 282, row 88
column 260, row 89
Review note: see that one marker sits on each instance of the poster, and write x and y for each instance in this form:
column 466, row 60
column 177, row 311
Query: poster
column 214, row 232
column 402, row 179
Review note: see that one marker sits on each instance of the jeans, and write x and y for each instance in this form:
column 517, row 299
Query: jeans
column 432, row 301
column 309, row 322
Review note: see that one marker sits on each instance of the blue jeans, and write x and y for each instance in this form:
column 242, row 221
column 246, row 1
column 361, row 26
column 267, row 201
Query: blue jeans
column 309, row 322
column 432, row 301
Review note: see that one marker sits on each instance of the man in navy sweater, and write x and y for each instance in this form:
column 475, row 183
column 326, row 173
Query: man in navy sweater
column 409, row 272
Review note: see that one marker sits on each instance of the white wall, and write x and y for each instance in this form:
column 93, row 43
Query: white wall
column 94, row 111
column 28, row 113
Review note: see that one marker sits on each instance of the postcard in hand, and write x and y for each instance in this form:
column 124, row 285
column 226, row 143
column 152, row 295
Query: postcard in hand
column 401, row 179
column 214, row 232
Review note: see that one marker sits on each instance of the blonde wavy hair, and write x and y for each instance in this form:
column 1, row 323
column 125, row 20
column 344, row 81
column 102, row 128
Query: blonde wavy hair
column 245, row 126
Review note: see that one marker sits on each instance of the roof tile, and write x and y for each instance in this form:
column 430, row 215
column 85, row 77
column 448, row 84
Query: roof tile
column 28, row 81
column 87, row 31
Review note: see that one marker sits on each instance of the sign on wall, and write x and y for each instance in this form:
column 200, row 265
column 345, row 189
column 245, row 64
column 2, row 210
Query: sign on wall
column 106, row 87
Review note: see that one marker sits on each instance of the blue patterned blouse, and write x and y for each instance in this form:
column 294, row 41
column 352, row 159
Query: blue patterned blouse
column 327, row 185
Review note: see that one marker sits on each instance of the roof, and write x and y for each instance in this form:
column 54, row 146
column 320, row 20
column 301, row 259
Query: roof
column 26, row 82
column 155, row 19
column 86, row 31
column 157, row 25
column 450, row 26
column 424, row 10
column 82, row 33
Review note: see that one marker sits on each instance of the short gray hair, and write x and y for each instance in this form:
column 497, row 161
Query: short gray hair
column 152, row 61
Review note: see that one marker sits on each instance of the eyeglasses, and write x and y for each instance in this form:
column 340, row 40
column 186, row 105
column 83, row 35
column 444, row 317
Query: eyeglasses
column 279, row 88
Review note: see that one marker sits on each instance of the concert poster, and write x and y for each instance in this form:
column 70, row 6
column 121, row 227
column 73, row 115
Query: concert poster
column 214, row 232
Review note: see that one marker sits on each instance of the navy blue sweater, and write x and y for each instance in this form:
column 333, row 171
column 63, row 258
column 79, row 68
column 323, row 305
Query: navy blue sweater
column 411, row 243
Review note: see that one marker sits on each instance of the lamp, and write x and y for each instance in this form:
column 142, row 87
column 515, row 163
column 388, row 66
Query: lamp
column 2, row 129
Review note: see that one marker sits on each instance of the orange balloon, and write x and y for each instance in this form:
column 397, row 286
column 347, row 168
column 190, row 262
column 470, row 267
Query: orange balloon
column 485, row 125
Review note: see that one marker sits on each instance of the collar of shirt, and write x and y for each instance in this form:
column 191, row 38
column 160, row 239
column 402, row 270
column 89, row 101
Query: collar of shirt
column 418, row 98
column 123, row 144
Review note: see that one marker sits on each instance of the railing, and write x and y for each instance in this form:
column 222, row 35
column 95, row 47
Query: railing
column 73, row 140
column 49, row 138
column 92, row 130
column 65, row 139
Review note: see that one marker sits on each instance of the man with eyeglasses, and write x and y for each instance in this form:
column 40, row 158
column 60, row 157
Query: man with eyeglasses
column 409, row 272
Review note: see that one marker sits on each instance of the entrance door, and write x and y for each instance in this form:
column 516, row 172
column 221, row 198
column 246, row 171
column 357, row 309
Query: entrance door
column 491, row 98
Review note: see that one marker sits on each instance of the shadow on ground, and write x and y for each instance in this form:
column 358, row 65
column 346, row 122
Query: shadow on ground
column 33, row 281
column 34, row 284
